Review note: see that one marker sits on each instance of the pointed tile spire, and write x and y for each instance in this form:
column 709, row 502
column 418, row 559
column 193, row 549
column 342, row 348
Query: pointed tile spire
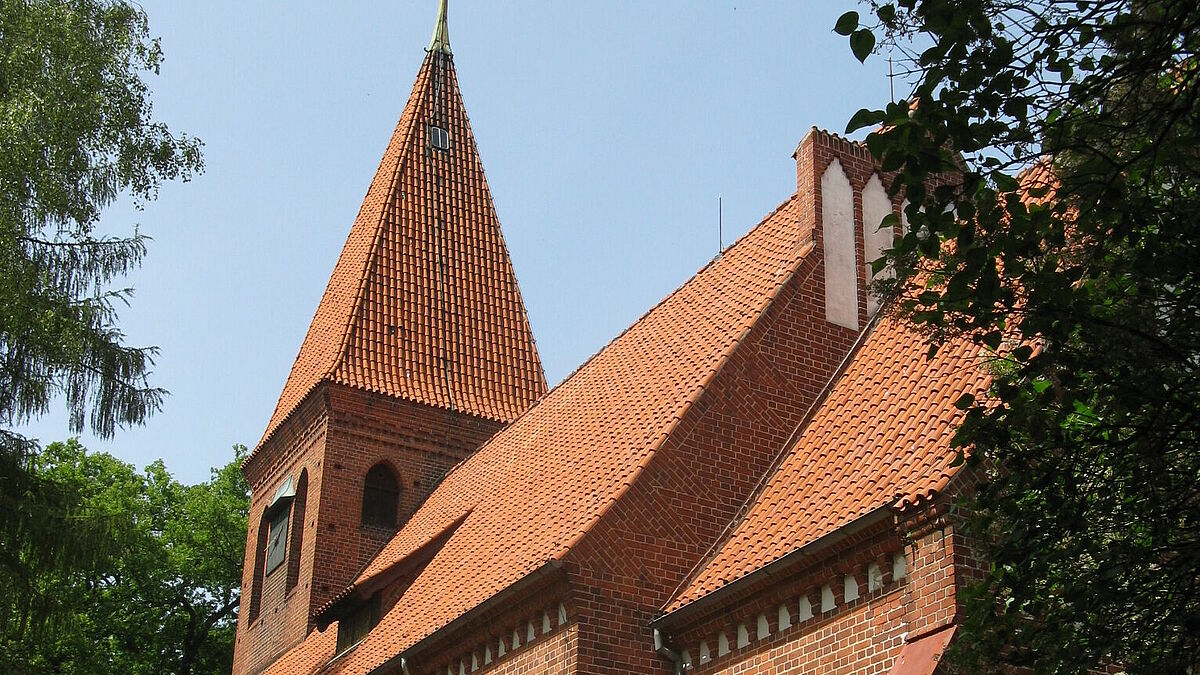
column 441, row 32
column 423, row 304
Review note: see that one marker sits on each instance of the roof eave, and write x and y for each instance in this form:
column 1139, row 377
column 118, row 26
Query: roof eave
column 777, row 567
column 543, row 573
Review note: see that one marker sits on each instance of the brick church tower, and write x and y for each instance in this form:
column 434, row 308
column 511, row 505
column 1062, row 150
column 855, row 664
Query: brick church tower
column 420, row 350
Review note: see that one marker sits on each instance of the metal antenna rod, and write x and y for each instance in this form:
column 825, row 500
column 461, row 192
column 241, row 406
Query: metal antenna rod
column 720, row 226
column 891, row 79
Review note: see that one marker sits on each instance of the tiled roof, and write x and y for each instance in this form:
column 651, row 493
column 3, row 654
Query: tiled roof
column 541, row 483
column 881, row 436
column 423, row 303
column 308, row 656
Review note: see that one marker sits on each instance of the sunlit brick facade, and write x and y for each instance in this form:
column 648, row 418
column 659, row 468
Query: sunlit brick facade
column 752, row 478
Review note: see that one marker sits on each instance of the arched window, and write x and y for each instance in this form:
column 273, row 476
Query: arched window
column 298, row 506
column 260, row 554
column 381, row 497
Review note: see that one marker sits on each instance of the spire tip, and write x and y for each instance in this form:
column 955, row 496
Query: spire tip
column 441, row 32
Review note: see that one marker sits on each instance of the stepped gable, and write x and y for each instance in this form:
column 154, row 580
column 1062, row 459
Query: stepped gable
column 881, row 437
column 540, row 484
column 423, row 303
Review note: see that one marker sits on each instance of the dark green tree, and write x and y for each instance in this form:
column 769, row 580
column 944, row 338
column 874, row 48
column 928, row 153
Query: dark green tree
column 76, row 133
column 1069, row 246
column 161, row 594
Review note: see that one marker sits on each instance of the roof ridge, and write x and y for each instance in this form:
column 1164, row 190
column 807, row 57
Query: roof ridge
column 364, row 276
column 777, row 462
column 423, row 303
column 715, row 259
column 504, row 245
column 702, row 387
column 438, row 537
column 347, row 322
column 639, row 320
column 897, row 446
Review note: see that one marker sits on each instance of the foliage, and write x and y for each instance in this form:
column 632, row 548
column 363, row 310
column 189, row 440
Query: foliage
column 1063, row 237
column 76, row 133
column 162, row 595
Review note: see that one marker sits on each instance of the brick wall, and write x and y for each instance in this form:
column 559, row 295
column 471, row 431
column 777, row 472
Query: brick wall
column 551, row 655
column 337, row 435
column 814, row 155
column 282, row 615
column 417, row 442
column 534, row 631
column 631, row 562
column 635, row 557
column 944, row 561
column 864, row 639
column 780, row 624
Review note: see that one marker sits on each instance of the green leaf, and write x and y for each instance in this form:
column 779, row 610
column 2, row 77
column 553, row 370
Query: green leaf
column 864, row 118
column 862, row 41
column 846, row 23
column 1005, row 182
column 965, row 401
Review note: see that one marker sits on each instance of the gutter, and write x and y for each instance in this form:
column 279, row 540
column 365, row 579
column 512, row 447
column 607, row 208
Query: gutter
column 405, row 659
column 772, row 569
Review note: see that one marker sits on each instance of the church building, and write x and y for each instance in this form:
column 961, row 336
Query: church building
column 754, row 477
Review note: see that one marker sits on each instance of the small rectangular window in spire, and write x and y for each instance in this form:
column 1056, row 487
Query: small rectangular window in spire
column 439, row 138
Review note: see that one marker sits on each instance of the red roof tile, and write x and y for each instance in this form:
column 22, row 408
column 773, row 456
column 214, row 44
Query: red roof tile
column 882, row 435
column 539, row 485
column 423, row 303
column 308, row 656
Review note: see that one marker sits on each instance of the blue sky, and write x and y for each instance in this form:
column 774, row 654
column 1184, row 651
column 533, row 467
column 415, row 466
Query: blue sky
column 607, row 130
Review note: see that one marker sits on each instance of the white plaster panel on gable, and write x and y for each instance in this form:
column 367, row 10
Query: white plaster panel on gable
column 516, row 639
column 487, row 655
column 850, row 588
column 462, row 667
column 904, row 217
column 805, row 609
column 530, row 633
column 545, row 622
column 827, row 603
column 764, row 628
column 705, row 656
column 876, row 206
column 874, row 577
column 743, row 636
column 722, row 644
column 685, row 657
column 500, row 651
column 474, row 662
column 899, row 567
column 841, row 270
column 562, row 615
column 785, row 617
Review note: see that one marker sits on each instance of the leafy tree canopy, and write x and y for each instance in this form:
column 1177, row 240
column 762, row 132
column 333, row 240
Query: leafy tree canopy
column 161, row 594
column 76, row 133
column 1066, row 242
